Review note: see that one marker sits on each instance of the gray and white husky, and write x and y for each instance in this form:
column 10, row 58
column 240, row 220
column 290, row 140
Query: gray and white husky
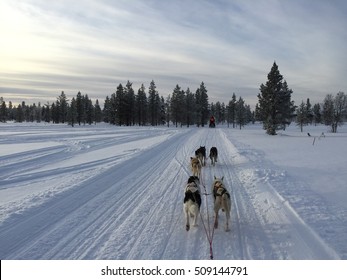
column 222, row 201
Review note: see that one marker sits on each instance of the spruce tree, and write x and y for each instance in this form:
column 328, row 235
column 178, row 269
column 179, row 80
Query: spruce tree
column 190, row 107
column 89, row 109
column 241, row 115
column 80, row 108
column 153, row 104
column 317, row 115
column 62, row 107
column 201, row 99
column 3, row 110
column 73, row 112
column 275, row 105
column 130, row 100
column 301, row 115
column 141, row 106
column 97, row 112
column 120, row 105
column 177, row 105
column 231, row 111
column 107, row 110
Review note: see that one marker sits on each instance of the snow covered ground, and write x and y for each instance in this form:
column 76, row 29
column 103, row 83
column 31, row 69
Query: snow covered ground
column 107, row 192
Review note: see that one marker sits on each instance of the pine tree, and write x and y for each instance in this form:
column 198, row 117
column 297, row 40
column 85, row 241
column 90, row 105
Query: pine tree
column 89, row 109
column 61, row 106
column 201, row 99
column 10, row 111
column 55, row 112
column 317, row 115
column 182, row 113
column 3, row 110
column 19, row 114
column 309, row 112
column 141, row 106
column 301, row 115
column 46, row 113
column 73, row 112
column 162, row 111
column 80, row 108
column 168, row 110
column 130, row 101
column 153, row 104
column 97, row 112
column 219, row 112
column 232, row 111
column 190, row 107
column 120, row 105
column 107, row 110
column 241, row 115
column 177, row 106
column 38, row 115
column 275, row 105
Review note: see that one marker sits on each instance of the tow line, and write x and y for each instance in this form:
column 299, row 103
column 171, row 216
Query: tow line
column 209, row 233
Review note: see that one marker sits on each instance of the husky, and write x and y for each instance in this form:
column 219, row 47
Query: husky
column 221, row 201
column 192, row 201
column 213, row 155
column 196, row 166
column 201, row 154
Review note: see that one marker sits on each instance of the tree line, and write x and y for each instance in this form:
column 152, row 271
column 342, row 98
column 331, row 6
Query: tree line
column 125, row 107
column 275, row 108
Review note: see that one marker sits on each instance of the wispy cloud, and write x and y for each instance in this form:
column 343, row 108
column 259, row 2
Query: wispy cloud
column 92, row 46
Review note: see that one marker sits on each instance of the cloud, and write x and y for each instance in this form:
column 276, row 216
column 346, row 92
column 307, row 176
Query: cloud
column 92, row 46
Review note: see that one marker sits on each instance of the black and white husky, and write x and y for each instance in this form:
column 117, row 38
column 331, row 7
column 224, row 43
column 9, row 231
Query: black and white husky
column 213, row 155
column 192, row 201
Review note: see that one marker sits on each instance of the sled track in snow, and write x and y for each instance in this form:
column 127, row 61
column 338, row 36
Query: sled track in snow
column 133, row 210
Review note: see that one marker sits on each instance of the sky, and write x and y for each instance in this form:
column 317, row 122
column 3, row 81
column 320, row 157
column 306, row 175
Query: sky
column 92, row 46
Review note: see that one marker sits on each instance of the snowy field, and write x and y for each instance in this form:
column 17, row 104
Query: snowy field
column 107, row 192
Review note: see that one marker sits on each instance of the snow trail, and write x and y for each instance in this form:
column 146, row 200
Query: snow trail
column 119, row 195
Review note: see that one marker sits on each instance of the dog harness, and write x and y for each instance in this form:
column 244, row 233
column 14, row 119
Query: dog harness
column 219, row 190
column 192, row 192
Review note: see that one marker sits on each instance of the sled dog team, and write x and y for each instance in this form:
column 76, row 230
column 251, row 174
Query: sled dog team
column 192, row 193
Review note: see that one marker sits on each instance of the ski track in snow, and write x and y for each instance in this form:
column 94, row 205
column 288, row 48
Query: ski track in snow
column 87, row 201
